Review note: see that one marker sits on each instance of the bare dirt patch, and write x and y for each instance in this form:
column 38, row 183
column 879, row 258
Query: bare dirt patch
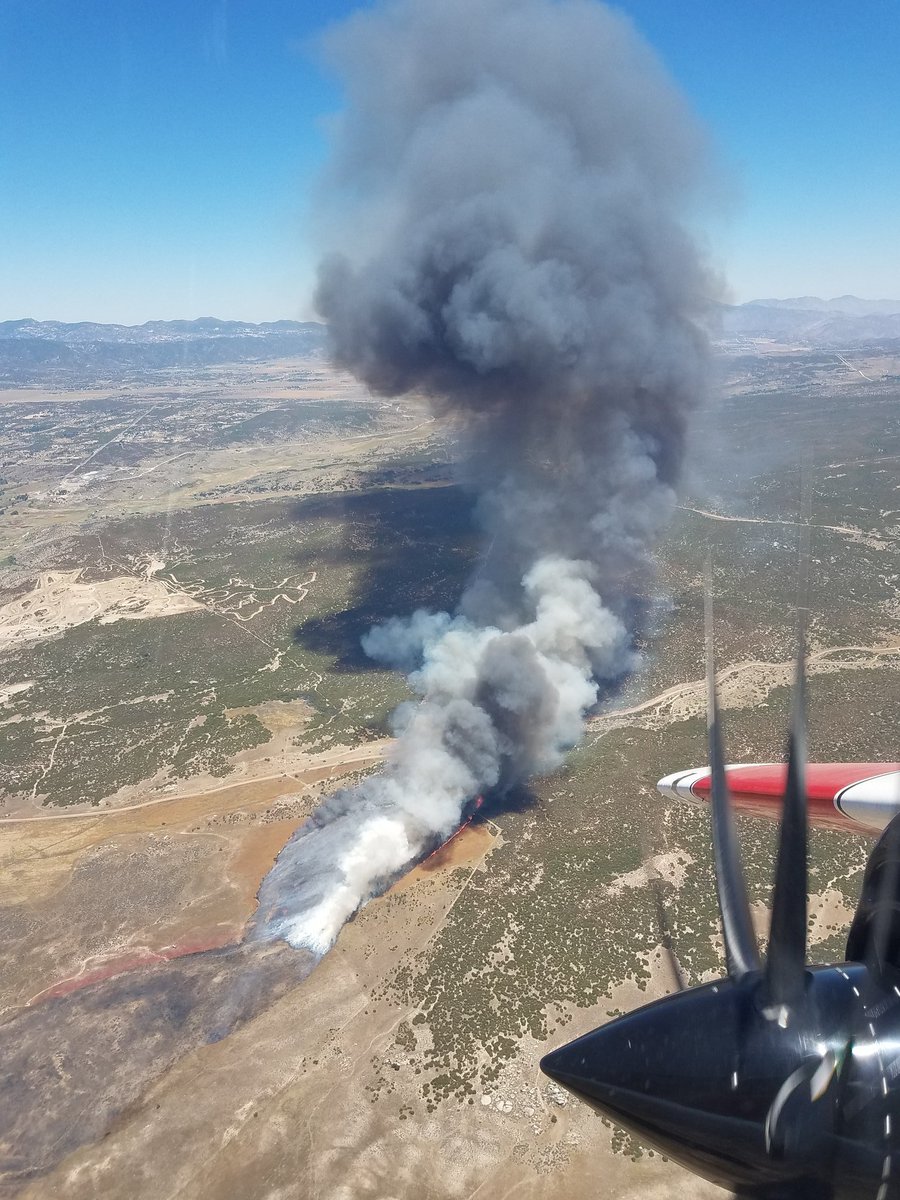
column 59, row 602
column 829, row 913
column 14, row 689
column 669, row 867
column 742, row 685
column 469, row 846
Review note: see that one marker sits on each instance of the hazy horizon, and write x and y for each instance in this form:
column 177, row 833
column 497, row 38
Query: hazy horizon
column 315, row 319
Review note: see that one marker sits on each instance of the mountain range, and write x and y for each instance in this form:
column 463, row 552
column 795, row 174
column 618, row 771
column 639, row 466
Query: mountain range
column 40, row 351
column 46, row 351
column 156, row 332
column 837, row 324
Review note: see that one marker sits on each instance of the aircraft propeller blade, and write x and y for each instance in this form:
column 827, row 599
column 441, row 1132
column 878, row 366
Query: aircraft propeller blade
column 657, row 889
column 665, row 932
column 741, row 950
column 786, row 960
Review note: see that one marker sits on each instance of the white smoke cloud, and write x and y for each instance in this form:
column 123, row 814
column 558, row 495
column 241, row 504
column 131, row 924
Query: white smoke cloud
column 378, row 848
column 507, row 180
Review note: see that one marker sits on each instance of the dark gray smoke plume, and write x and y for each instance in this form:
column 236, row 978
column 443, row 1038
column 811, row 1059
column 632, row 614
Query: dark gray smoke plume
column 505, row 192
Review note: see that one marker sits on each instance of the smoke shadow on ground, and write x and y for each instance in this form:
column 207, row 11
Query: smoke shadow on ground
column 516, row 799
column 404, row 548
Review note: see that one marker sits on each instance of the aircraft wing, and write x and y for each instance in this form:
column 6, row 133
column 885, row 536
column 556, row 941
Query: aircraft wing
column 857, row 797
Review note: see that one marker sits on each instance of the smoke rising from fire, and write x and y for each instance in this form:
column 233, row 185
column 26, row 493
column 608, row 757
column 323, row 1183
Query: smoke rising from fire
column 506, row 194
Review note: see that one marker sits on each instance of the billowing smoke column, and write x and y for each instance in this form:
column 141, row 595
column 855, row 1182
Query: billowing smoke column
column 507, row 182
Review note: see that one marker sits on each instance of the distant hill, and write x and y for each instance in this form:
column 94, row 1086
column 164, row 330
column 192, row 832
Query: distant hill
column 31, row 351
column 83, row 352
column 849, row 305
column 843, row 322
column 82, row 333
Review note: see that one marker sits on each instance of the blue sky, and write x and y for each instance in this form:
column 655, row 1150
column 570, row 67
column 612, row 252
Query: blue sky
column 156, row 155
